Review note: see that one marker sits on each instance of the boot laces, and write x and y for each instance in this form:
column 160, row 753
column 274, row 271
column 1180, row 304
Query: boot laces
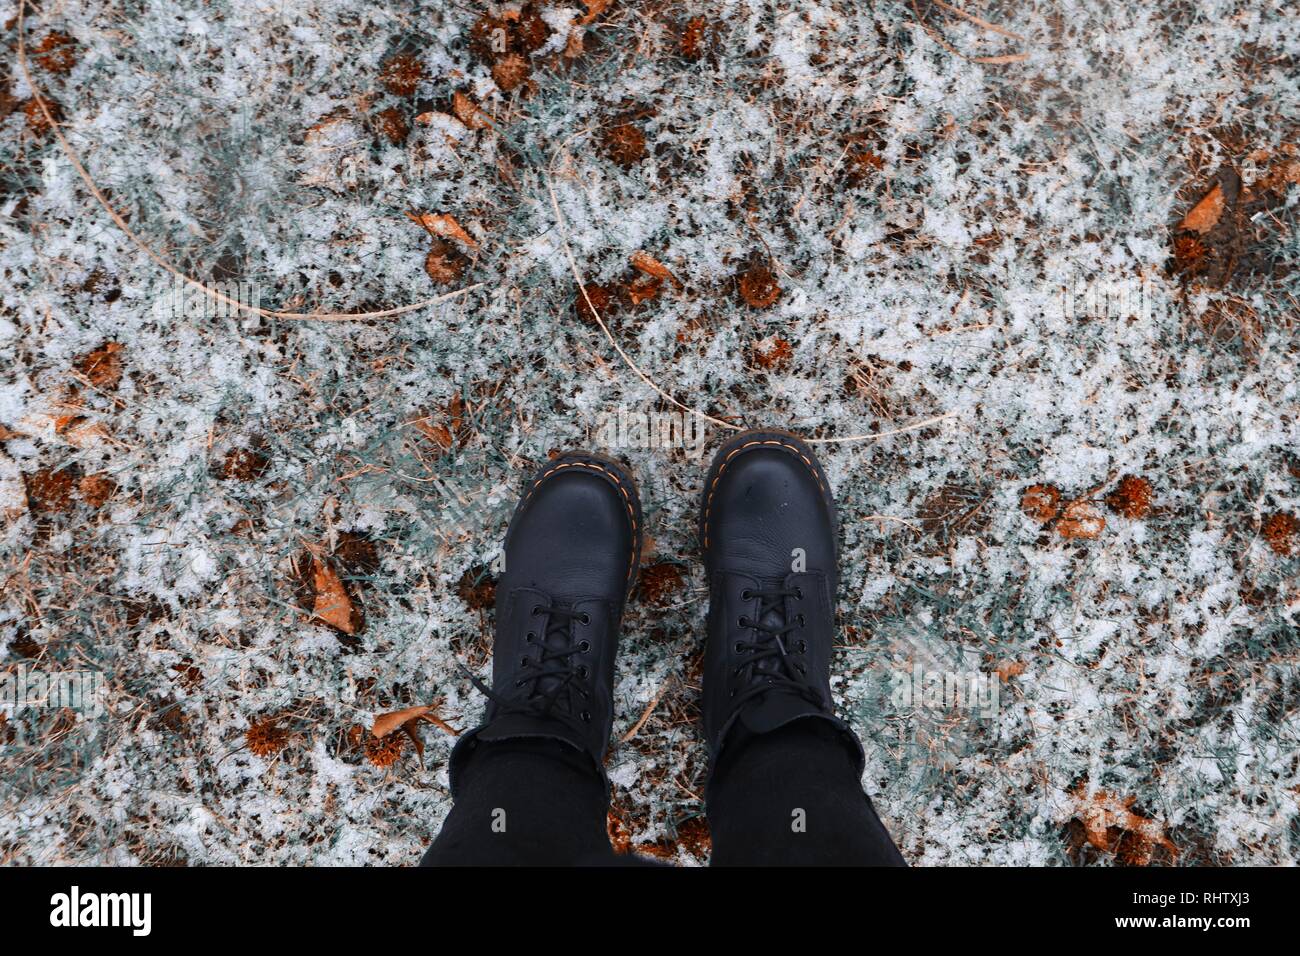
column 768, row 657
column 551, row 683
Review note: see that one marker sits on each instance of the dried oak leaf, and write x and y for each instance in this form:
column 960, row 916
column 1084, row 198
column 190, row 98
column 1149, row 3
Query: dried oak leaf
column 1131, row 498
column 444, row 226
column 468, row 112
column 1205, row 215
column 332, row 604
column 758, row 286
column 642, row 261
column 1279, row 531
column 1110, row 824
column 1041, row 502
column 385, row 724
column 101, row 366
column 1081, row 519
column 401, row 74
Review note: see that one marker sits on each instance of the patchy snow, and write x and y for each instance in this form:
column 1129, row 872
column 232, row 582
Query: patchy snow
column 926, row 217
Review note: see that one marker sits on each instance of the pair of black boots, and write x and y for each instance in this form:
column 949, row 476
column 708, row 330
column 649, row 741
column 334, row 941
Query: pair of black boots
column 767, row 529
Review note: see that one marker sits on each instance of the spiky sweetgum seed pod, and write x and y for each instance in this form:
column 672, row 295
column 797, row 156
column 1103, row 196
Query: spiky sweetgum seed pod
column 392, row 125
column 385, row 751
column 1041, row 502
column 601, row 300
column 1131, row 498
column 265, row 738
column 758, row 287
column 625, row 144
column 510, row 71
column 443, row 263
column 401, row 74
column 1279, row 531
column 56, row 53
column 693, row 38
column 532, row 30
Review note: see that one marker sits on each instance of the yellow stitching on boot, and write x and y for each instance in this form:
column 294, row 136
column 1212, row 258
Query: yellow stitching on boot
column 713, row 486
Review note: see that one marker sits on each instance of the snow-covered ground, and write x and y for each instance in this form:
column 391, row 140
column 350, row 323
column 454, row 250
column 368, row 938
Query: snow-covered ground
column 250, row 537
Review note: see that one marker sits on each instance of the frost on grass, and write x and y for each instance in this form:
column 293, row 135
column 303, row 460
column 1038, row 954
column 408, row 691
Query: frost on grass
column 266, row 534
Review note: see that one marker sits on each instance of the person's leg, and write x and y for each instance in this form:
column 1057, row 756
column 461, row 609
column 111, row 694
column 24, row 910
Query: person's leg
column 525, row 803
column 528, row 783
column 784, row 776
column 792, row 797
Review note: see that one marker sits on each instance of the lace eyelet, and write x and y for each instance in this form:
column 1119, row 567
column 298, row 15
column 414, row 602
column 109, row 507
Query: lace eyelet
column 586, row 716
column 746, row 594
column 582, row 671
column 803, row 647
column 519, row 683
column 801, row 621
column 802, row 670
column 536, row 609
column 584, row 646
column 740, row 622
column 586, row 618
column 740, row 647
column 530, row 637
column 523, row 662
column 798, row 593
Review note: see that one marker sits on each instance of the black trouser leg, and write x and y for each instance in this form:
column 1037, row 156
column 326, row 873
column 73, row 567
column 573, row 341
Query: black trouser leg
column 525, row 803
column 792, row 797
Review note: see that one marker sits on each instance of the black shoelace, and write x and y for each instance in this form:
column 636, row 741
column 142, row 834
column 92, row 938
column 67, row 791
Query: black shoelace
column 551, row 684
column 774, row 643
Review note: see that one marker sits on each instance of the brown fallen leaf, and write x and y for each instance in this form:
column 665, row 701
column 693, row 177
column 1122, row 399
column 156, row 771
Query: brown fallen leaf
column 385, row 724
column 1109, row 822
column 444, row 226
column 468, row 112
column 644, row 262
column 1041, row 502
column 1009, row 669
column 102, row 367
column 594, row 9
column 1081, row 519
column 1205, row 215
column 332, row 605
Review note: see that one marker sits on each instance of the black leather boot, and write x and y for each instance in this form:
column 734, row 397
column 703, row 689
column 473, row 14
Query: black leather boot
column 571, row 557
column 768, row 534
